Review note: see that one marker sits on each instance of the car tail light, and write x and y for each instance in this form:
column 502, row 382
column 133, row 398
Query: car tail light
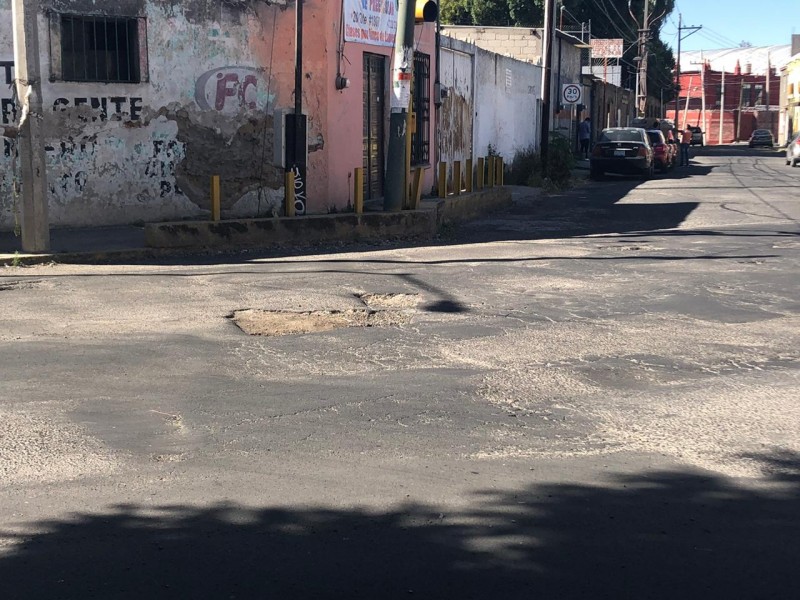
column 642, row 151
column 659, row 149
column 597, row 151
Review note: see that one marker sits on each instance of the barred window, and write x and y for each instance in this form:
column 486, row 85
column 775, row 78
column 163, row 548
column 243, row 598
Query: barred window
column 420, row 139
column 101, row 49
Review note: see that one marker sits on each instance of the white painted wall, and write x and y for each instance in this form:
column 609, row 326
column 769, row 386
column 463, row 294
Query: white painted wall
column 507, row 95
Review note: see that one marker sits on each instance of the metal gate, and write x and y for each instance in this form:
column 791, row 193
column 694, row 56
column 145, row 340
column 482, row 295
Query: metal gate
column 374, row 127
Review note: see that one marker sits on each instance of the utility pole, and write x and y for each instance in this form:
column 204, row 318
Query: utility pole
column 692, row 29
column 547, row 44
column 769, row 111
column 722, row 108
column 644, row 36
column 35, row 218
column 297, row 124
column 402, row 71
column 703, row 93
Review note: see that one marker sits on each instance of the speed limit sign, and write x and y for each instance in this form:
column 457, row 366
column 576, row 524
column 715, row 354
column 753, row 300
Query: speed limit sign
column 571, row 93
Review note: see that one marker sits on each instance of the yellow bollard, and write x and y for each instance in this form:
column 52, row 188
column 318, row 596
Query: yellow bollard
column 216, row 210
column 358, row 190
column 416, row 192
column 500, row 171
column 481, row 172
column 468, row 174
column 288, row 196
column 456, row 177
column 491, row 171
column 442, row 180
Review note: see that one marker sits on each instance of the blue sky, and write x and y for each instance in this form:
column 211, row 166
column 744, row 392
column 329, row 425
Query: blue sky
column 728, row 22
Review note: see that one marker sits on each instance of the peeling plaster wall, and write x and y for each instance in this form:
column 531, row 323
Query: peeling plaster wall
column 217, row 70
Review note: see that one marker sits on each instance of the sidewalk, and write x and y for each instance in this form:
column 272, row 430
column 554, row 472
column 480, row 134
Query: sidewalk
column 88, row 242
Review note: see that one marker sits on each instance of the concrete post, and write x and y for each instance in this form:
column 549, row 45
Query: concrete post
column 35, row 217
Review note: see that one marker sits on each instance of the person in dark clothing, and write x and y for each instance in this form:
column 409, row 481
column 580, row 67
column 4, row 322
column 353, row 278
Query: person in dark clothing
column 585, row 136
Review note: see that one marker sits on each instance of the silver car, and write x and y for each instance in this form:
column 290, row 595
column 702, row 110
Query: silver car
column 793, row 151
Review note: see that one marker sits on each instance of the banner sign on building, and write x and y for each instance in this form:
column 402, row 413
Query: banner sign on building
column 370, row 21
column 607, row 48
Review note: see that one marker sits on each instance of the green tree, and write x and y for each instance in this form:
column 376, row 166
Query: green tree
column 490, row 12
column 519, row 13
column 455, row 12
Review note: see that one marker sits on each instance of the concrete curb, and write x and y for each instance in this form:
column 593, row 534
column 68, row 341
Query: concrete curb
column 193, row 238
column 315, row 229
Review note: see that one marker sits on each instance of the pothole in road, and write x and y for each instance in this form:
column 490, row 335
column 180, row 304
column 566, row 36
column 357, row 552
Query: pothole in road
column 395, row 301
column 277, row 322
column 381, row 310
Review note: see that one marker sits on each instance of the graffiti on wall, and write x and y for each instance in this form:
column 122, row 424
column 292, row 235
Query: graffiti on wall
column 102, row 108
column 233, row 89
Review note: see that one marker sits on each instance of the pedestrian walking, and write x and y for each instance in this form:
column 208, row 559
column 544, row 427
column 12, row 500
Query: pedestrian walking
column 686, row 140
column 585, row 136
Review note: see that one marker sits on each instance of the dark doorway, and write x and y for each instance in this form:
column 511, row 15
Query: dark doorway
column 374, row 99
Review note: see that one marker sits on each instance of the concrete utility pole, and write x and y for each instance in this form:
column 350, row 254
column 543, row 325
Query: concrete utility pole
column 547, row 47
column 400, row 97
column 35, row 218
column 644, row 36
column 722, row 108
column 681, row 37
column 704, row 125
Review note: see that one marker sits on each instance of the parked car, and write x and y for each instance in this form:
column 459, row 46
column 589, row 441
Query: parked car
column 664, row 153
column 697, row 136
column 793, row 151
column 761, row 137
column 622, row 150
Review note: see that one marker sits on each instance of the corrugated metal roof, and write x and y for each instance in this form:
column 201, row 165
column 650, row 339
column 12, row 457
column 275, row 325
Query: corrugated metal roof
column 725, row 59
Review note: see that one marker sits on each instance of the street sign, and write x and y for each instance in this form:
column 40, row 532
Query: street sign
column 607, row 48
column 571, row 93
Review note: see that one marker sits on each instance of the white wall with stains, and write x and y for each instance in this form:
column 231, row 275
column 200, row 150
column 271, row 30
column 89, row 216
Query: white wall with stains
column 492, row 100
column 508, row 100
column 121, row 153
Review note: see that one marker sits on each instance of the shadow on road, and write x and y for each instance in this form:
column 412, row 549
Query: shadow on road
column 675, row 534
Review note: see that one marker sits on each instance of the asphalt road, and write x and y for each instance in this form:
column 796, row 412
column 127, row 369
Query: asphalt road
column 593, row 395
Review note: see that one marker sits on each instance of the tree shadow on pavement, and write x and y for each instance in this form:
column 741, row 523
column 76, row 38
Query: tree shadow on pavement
column 674, row 534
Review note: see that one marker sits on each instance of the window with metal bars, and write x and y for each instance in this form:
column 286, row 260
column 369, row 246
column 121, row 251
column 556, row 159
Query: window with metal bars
column 101, row 49
column 420, row 138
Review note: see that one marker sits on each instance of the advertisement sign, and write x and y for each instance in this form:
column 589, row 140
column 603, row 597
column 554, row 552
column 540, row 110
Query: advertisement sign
column 607, row 48
column 371, row 22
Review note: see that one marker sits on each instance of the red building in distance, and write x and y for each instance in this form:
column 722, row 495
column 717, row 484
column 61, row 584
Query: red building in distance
column 751, row 101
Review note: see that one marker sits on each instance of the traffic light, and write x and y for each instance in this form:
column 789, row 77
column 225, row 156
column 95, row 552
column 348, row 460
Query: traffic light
column 426, row 11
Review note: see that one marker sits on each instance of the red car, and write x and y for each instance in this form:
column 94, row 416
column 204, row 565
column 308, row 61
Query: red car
column 664, row 153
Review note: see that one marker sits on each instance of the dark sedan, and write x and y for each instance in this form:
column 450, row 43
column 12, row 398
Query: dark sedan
column 761, row 137
column 622, row 150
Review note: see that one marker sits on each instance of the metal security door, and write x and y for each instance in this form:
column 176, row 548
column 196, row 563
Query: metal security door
column 374, row 99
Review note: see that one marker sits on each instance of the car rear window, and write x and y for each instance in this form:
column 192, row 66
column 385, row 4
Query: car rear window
column 620, row 135
column 761, row 132
column 654, row 138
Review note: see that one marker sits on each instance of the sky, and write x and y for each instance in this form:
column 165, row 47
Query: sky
column 726, row 23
